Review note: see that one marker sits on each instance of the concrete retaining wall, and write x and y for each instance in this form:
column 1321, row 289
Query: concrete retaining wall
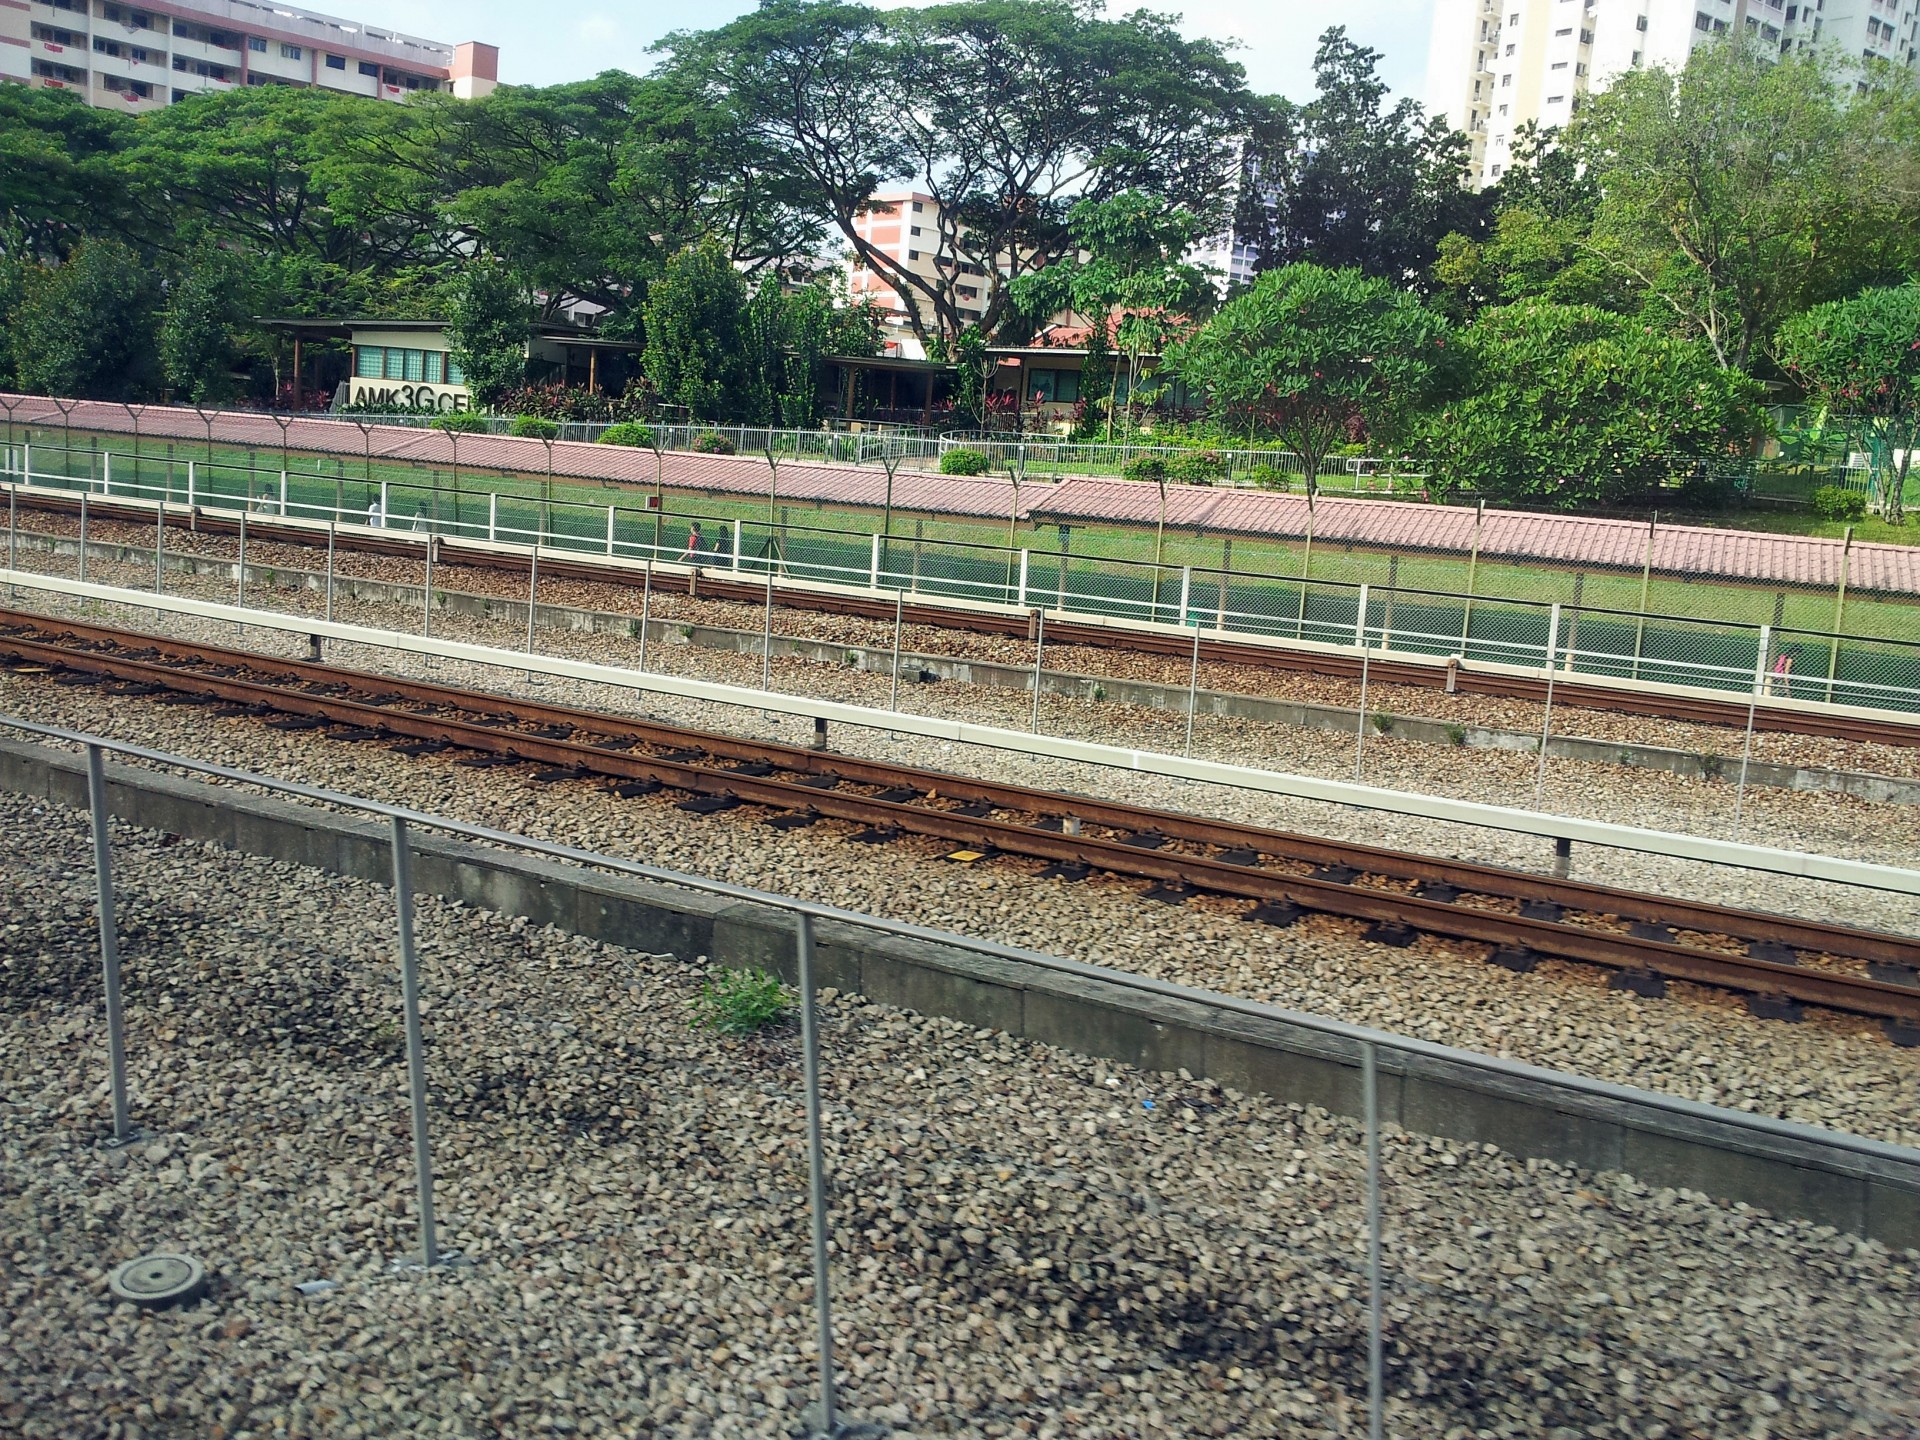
column 1691, row 764
column 1451, row 1094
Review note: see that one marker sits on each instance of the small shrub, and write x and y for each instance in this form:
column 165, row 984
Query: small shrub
column 1269, row 477
column 713, row 443
column 1383, row 722
column 1198, row 467
column 627, row 432
column 965, row 462
column 534, row 427
column 1456, row 734
column 740, row 1002
column 1150, row 468
column 464, row 422
column 1836, row 502
column 1099, row 692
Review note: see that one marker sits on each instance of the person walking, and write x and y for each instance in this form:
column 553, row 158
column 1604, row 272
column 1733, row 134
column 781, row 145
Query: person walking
column 376, row 517
column 1781, row 680
column 692, row 553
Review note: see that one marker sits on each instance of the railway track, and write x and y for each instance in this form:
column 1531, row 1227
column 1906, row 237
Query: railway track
column 1062, row 630
column 1778, row 963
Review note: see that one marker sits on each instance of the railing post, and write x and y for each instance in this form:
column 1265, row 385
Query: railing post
column 1025, row 557
column 1193, row 685
column 240, row 570
column 610, row 515
column 646, row 611
column 386, row 508
column 283, row 494
column 191, row 496
column 1186, row 592
column 426, row 606
column 1376, row 1348
column 1546, row 722
column 736, row 546
column 533, row 590
column 826, row 1422
column 83, row 536
column 331, row 524
column 493, row 516
column 766, row 638
column 416, row 1045
column 873, row 564
column 899, row 618
column 13, row 535
column 1753, row 706
column 1366, row 655
column 109, row 942
column 106, row 472
column 1039, row 648
column 159, row 548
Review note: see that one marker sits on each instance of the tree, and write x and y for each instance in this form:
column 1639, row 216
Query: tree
column 1316, row 357
column 199, row 328
column 1003, row 112
column 1568, row 406
column 59, row 182
column 697, row 343
column 1354, row 183
column 1745, row 188
column 1860, row 358
column 487, row 329
column 84, row 327
column 1133, row 268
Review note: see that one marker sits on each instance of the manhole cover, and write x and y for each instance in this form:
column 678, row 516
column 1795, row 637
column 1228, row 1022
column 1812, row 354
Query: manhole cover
column 156, row 1280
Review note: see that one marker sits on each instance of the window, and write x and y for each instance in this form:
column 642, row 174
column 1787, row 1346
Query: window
column 1514, row 18
column 289, row 52
column 1503, row 110
column 916, row 207
column 1702, row 21
column 396, row 363
column 256, row 44
column 1053, row 387
column 1512, row 48
column 336, row 62
column 367, row 67
column 1556, row 99
column 369, row 362
column 913, row 229
column 913, row 254
column 436, row 367
column 1640, row 24
column 106, row 47
column 415, row 366
column 455, row 376
column 1506, row 82
column 1562, row 34
column 1558, row 65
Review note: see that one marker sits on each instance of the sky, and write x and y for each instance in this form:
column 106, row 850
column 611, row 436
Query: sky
column 545, row 43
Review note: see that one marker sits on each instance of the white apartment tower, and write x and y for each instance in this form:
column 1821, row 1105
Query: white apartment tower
column 142, row 56
column 1497, row 64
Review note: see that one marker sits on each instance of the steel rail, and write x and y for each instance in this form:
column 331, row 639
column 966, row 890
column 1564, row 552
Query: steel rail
column 481, row 724
column 1469, row 680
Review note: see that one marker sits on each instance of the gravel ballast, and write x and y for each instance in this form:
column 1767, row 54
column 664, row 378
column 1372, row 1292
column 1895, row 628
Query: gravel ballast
column 1027, row 1243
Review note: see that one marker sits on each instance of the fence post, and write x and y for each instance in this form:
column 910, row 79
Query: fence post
column 1393, row 589
column 1039, row 647
column 1376, row 1348
column 1026, row 557
column 386, row 510
column 766, row 639
column 1473, row 565
column 13, row 535
column 1839, row 613
column 283, row 494
column 1186, row 594
column 1226, row 571
column 493, row 516
column 1753, row 706
column 899, row 618
column 240, row 570
column 109, row 942
column 826, row 1424
column 159, row 548
column 426, row 606
column 106, row 472
column 1366, row 656
column 533, row 591
column 1193, row 683
column 330, row 529
column 1546, row 723
column 416, row 1056
column 190, row 484
column 736, row 546
column 1646, row 581
column 1306, row 569
column 873, row 564
column 610, row 515
column 83, row 536
column 26, row 461
column 646, row 610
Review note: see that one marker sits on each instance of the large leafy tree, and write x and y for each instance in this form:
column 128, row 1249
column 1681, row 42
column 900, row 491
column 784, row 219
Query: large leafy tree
column 59, row 181
column 1316, row 357
column 1005, row 112
column 1565, row 406
column 1861, row 359
column 200, row 327
column 1354, row 182
column 788, row 335
column 697, row 352
column 1130, row 267
column 84, row 327
column 487, row 328
column 1746, row 188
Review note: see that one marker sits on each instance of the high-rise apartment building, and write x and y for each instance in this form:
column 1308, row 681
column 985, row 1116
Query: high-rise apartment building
column 137, row 57
column 904, row 225
column 1495, row 65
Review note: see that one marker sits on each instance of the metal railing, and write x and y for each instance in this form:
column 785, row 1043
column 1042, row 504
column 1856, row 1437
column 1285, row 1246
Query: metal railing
column 1589, row 642
column 1363, row 1048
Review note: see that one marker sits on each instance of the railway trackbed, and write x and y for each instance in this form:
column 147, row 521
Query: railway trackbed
column 1063, row 629
column 1777, row 963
